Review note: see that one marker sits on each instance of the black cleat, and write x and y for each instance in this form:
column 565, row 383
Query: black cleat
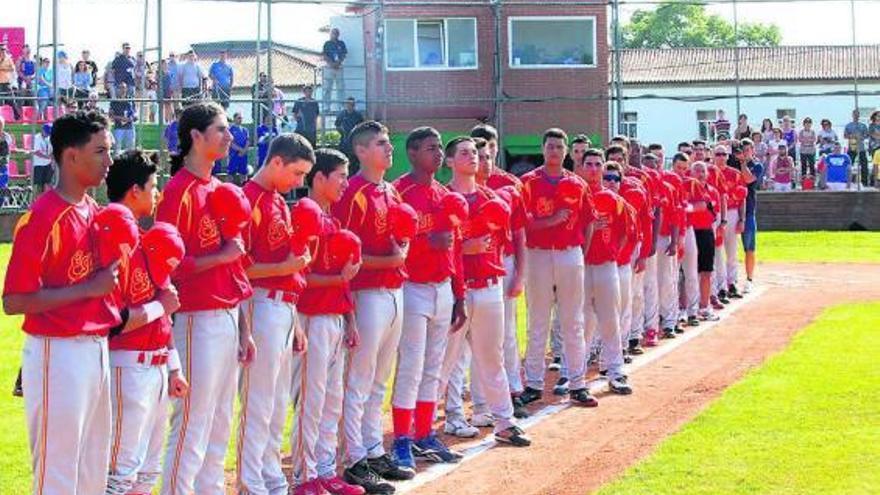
column 561, row 387
column 733, row 293
column 635, row 347
column 693, row 321
column 530, row 395
column 513, row 436
column 385, row 467
column 668, row 333
column 361, row 475
column 519, row 409
column 582, row 397
column 619, row 386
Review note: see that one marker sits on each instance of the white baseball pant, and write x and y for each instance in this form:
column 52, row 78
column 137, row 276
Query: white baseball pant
column 730, row 245
column 484, row 331
column 379, row 316
column 651, row 292
column 453, row 386
column 602, row 310
column 625, row 278
column 313, row 438
column 66, row 384
column 719, row 276
column 636, row 326
column 667, row 284
column 565, row 270
column 556, row 346
column 427, row 313
column 264, row 394
column 139, row 397
column 691, row 277
column 207, row 342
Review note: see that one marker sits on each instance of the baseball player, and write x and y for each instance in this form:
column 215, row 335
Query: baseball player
column 145, row 368
column 378, row 297
column 479, row 280
column 631, row 261
column 681, row 165
column 601, row 281
column 718, row 180
column 69, row 307
column 211, row 282
column 736, row 203
column 275, row 272
column 704, row 204
column 327, row 316
column 428, row 307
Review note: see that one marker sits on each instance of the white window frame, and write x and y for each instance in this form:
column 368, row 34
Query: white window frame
column 510, row 63
column 444, row 20
column 782, row 112
column 630, row 127
column 710, row 130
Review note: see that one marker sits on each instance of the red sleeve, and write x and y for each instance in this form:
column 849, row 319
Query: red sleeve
column 518, row 218
column 588, row 209
column 458, row 283
column 178, row 212
column 25, row 264
column 350, row 210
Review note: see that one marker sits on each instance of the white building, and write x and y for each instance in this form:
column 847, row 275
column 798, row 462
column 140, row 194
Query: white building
column 670, row 95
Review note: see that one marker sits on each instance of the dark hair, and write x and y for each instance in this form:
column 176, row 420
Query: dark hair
column 614, row 149
column 327, row 161
column 454, row 142
column 74, row 130
column 680, row 157
column 696, row 142
column 554, row 133
column 620, row 137
column 364, row 132
column 683, row 144
column 595, row 152
column 290, row 147
column 485, row 131
column 613, row 166
column 746, row 142
column 198, row 116
column 655, row 146
column 650, row 156
column 581, row 138
column 480, row 142
column 129, row 169
column 419, row 134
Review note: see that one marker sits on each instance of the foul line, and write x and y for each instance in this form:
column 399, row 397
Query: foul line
column 475, row 448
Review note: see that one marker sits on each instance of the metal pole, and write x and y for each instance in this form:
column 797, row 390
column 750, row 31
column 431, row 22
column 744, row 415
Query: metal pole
column 142, row 106
column 270, row 47
column 617, row 72
column 39, row 29
column 160, row 96
column 55, row 55
column 736, row 57
column 381, row 49
column 855, row 69
column 499, row 87
column 258, row 109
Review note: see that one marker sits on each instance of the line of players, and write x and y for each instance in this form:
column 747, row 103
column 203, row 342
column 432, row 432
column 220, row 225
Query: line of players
column 316, row 303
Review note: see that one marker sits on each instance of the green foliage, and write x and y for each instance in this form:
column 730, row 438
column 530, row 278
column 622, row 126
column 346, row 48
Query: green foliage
column 679, row 25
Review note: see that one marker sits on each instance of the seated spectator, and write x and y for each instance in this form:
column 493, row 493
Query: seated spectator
column 838, row 167
column 123, row 115
column 760, row 148
column 783, row 169
column 7, row 74
column 27, row 71
column 82, row 82
column 42, row 160
column 7, row 147
column 826, row 137
column 92, row 104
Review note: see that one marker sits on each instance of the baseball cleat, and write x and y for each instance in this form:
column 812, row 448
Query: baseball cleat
column 513, row 436
column 708, row 315
column 582, row 397
column 385, row 467
column 483, row 420
column 459, row 427
column 678, row 329
column 362, row 475
column 519, row 409
column 312, row 487
column 402, row 453
column 748, row 286
column 668, row 333
column 432, row 449
column 733, row 293
column 561, row 387
column 693, row 321
column 335, row 486
column 555, row 365
column 722, row 294
column 635, row 347
column 530, row 395
column 716, row 304
column 650, row 337
column 619, row 386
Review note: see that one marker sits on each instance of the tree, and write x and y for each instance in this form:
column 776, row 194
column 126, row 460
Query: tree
column 678, row 25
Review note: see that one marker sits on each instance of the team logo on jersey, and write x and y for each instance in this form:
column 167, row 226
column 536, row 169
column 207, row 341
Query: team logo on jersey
column 426, row 222
column 545, row 207
column 381, row 218
column 209, row 234
column 81, row 265
column 140, row 285
column 278, row 233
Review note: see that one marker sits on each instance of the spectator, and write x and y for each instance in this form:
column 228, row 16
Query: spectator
column 166, row 87
column 874, row 132
column 27, row 71
column 773, row 147
column 123, row 115
column 334, row 54
column 767, row 130
column 82, row 82
column 262, row 94
column 140, row 74
column 855, row 134
column 7, row 147
column 306, row 111
column 743, row 130
column 278, row 101
column 44, row 87
column 782, row 167
column 42, row 160
column 722, row 127
column 838, row 167
column 238, row 150
column 222, row 75
column 190, row 79
column 123, row 70
column 807, row 142
column 761, row 153
column 875, row 161
column 64, row 75
column 7, row 73
column 345, row 122
column 789, row 134
column 110, row 78
column 92, row 104
column 172, row 141
column 265, row 133
column 151, row 94
column 173, row 72
column 827, row 137
column 93, row 67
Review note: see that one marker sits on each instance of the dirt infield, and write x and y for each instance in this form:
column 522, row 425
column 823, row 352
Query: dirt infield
column 578, row 450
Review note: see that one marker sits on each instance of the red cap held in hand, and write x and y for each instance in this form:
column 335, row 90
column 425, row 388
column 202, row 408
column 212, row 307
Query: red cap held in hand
column 404, row 222
column 493, row 215
column 510, row 195
column 342, row 246
column 569, row 191
column 230, row 208
column 305, row 217
column 117, row 233
column 453, row 209
column 164, row 250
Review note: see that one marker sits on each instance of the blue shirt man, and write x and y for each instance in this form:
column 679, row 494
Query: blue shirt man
column 265, row 133
column 238, row 155
column 839, row 165
column 221, row 75
column 171, row 139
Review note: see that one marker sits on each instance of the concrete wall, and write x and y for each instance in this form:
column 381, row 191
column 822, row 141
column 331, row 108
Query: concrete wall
column 818, row 210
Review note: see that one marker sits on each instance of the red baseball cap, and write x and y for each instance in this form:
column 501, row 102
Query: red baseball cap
column 342, row 246
column 510, row 195
column 492, row 215
column 116, row 233
column 569, row 191
column 164, row 250
column 404, row 222
column 306, row 217
column 454, row 209
column 230, row 208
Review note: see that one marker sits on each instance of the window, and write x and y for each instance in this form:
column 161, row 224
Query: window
column 629, row 125
column 431, row 44
column 705, row 121
column 541, row 42
column 782, row 112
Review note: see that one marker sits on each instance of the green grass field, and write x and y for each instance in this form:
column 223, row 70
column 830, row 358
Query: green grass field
column 804, row 423
column 14, row 456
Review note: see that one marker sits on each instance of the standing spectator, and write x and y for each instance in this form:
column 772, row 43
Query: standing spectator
column 7, row 147
column 173, row 70
column 166, row 86
column 64, row 76
column 42, row 160
column 222, row 75
column 838, row 168
column 874, row 132
column 93, row 67
column 789, row 134
column 191, row 79
column 773, row 149
column 722, row 127
column 345, row 122
column 123, row 115
column 807, row 142
column 278, row 101
column 743, row 131
column 27, row 71
column 82, row 83
column 306, row 111
column 826, row 137
column 151, row 94
column 7, row 73
column 140, row 74
column 334, row 54
column 855, row 134
column 123, row 70
column 761, row 153
column 172, row 141
column 110, row 78
column 782, row 167
column 262, row 94
column 265, row 133
column 767, row 130
column 753, row 175
column 44, row 87
column 238, row 150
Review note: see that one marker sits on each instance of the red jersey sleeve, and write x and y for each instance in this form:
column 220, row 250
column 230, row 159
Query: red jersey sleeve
column 24, row 268
column 178, row 212
column 351, row 209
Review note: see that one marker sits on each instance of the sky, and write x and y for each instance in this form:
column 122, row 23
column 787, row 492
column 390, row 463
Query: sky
column 102, row 25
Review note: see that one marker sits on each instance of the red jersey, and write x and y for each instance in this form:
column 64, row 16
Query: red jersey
column 633, row 235
column 698, row 191
column 267, row 237
column 135, row 289
column 637, row 197
column 424, row 264
column 333, row 300
column 605, row 243
column 734, row 178
column 52, row 248
column 184, row 204
column 474, row 270
column 363, row 210
column 518, row 219
column 539, row 197
column 671, row 206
